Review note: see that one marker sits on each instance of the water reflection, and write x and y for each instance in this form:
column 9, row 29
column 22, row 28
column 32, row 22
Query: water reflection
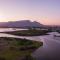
column 50, row 49
column 10, row 29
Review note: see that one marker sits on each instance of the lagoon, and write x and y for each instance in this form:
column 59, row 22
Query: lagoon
column 50, row 49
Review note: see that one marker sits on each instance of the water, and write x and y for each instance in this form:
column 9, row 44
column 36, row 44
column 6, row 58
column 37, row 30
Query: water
column 50, row 49
column 10, row 29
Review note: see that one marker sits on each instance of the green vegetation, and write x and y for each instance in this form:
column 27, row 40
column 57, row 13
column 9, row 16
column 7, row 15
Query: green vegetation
column 30, row 32
column 17, row 49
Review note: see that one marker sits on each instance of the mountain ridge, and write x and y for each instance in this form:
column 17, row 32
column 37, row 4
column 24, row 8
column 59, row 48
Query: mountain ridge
column 21, row 23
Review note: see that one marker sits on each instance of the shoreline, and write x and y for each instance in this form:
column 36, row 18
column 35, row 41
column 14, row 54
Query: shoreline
column 28, row 32
column 11, row 48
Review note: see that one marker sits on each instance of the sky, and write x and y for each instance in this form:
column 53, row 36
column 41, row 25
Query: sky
column 46, row 12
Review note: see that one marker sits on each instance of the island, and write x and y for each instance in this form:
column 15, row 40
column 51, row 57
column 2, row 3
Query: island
column 29, row 32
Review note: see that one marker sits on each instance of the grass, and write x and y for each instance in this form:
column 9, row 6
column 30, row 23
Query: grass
column 17, row 49
column 31, row 32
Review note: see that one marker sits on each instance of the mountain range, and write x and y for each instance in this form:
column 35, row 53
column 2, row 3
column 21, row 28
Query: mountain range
column 20, row 23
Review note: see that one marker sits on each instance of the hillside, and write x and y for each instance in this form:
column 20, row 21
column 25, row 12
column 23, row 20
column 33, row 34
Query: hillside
column 21, row 23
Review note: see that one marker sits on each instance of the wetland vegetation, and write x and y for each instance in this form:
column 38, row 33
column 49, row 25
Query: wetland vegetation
column 17, row 49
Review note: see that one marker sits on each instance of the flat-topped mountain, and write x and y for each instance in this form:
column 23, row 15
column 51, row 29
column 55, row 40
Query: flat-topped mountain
column 21, row 23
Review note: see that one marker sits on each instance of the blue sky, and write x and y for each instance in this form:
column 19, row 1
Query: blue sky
column 45, row 11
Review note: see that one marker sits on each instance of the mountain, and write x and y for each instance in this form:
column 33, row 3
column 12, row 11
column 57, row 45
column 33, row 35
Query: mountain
column 21, row 23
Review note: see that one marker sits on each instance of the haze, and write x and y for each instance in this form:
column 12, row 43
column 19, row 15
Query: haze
column 44, row 11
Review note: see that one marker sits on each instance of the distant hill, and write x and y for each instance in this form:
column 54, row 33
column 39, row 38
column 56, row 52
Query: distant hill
column 21, row 23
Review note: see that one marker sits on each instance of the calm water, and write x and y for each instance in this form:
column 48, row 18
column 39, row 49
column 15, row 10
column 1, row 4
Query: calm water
column 50, row 49
column 10, row 29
